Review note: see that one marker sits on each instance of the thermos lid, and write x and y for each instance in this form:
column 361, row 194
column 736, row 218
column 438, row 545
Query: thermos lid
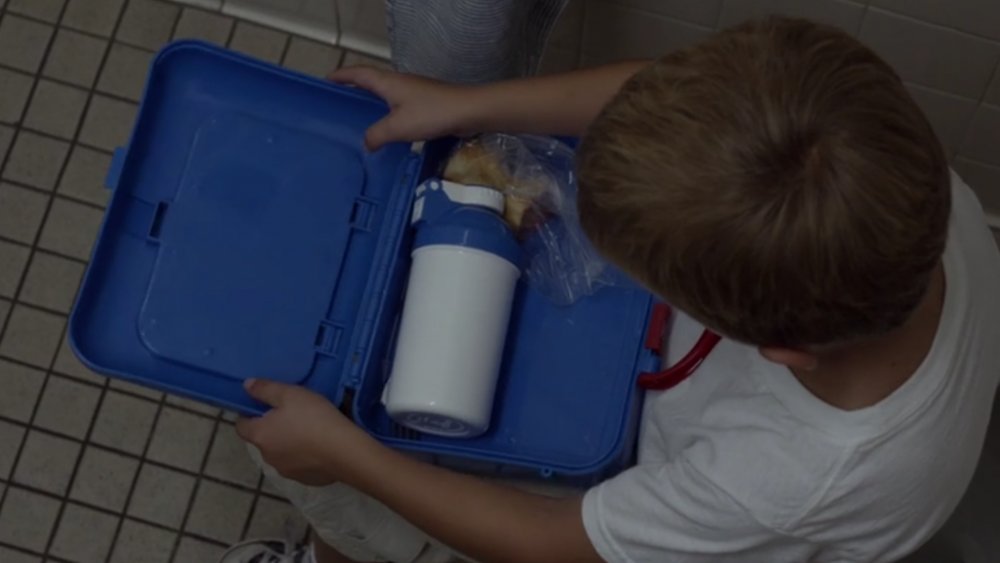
column 483, row 196
column 454, row 214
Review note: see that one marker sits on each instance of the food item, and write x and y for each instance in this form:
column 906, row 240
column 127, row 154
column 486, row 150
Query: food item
column 536, row 176
column 473, row 164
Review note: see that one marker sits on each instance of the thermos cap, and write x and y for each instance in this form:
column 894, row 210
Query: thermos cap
column 481, row 196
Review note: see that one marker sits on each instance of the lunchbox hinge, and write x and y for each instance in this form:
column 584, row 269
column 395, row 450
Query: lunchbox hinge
column 354, row 375
column 411, row 169
column 408, row 175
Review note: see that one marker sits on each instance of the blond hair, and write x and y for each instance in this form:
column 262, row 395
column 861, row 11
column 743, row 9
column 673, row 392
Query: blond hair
column 776, row 181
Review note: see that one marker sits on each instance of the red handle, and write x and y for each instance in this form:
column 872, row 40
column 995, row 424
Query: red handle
column 657, row 327
column 671, row 376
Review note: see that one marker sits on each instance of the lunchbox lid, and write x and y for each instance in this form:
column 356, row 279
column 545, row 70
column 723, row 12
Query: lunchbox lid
column 245, row 233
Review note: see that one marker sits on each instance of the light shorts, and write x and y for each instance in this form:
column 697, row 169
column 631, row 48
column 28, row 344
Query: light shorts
column 363, row 529
column 356, row 525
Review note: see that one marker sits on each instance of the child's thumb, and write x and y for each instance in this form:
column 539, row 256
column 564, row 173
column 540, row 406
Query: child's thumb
column 268, row 392
column 246, row 429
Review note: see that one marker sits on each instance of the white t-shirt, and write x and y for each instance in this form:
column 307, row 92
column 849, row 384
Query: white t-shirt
column 741, row 463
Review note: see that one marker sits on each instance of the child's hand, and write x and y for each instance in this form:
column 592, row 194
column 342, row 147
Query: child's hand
column 307, row 439
column 421, row 108
column 303, row 435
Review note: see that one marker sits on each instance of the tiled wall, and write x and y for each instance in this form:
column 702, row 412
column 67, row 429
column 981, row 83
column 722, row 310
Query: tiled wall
column 353, row 24
column 946, row 50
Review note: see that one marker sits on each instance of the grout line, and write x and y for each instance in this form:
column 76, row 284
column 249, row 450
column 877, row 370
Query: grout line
column 16, row 128
column 341, row 58
column 657, row 15
column 718, row 17
column 84, row 444
column 20, row 127
column 24, row 274
column 58, row 24
column 20, row 549
column 250, row 514
column 54, row 193
column 135, row 481
column 54, row 558
column 54, row 372
column 48, row 376
column 253, row 504
column 30, row 247
column 861, row 22
column 10, row 311
column 234, row 23
column 110, row 511
column 105, row 386
column 161, row 527
column 285, row 48
column 936, row 25
column 979, row 162
column 126, row 392
column 92, row 89
column 35, row 306
column 940, row 92
column 994, row 77
column 992, row 218
column 62, row 169
column 284, row 52
column 133, row 456
column 16, row 299
column 339, row 26
column 110, row 388
column 34, row 246
column 163, row 397
column 199, row 478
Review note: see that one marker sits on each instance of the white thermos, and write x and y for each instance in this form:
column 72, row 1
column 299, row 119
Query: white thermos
column 451, row 336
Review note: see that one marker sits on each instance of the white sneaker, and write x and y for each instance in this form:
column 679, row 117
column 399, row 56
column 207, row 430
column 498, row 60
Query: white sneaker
column 268, row 551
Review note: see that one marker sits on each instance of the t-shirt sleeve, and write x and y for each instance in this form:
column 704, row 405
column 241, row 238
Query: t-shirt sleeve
column 672, row 512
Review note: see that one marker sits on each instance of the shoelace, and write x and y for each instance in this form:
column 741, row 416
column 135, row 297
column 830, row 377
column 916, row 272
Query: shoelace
column 290, row 551
column 266, row 554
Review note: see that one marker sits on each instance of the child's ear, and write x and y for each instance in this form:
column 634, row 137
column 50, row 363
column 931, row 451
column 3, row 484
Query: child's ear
column 793, row 359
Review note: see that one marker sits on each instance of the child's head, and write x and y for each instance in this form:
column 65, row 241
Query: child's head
column 776, row 182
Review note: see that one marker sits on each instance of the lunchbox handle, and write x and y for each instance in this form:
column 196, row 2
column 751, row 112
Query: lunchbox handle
column 673, row 375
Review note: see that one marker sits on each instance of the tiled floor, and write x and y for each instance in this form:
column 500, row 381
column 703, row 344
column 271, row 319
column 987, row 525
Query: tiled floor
column 93, row 470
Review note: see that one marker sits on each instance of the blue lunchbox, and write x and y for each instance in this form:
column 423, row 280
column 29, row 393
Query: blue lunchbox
column 250, row 234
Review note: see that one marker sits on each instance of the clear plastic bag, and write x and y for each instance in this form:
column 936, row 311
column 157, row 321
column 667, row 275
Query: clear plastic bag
column 536, row 174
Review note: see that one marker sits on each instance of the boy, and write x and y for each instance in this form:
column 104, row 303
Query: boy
column 777, row 184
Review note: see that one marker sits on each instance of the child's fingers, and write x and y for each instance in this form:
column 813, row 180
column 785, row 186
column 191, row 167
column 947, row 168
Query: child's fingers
column 360, row 76
column 385, row 130
column 268, row 392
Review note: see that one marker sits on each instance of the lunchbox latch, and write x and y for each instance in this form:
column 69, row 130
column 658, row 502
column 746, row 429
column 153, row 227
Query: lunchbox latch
column 362, row 214
column 329, row 336
column 115, row 169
